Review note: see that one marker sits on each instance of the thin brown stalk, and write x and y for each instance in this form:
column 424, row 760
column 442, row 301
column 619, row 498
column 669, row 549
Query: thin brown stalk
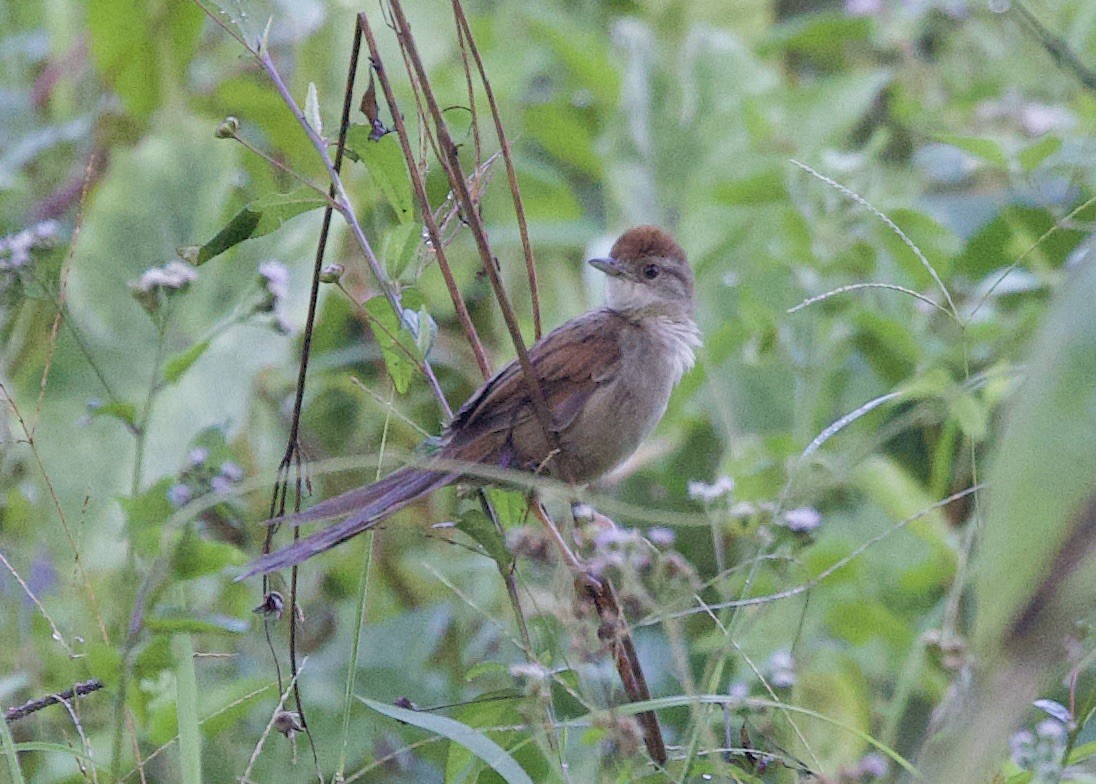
column 56, row 501
column 66, row 266
column 463, row 47
column 424, row 204
column 451, row 161
column 511, row 172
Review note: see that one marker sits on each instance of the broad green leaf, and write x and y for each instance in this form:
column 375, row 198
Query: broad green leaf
column 145, row 516
column 579, row 48
column 825, row 110
column 177, row 623
column 978, row 146
column 841, row 694
column 1044, row 476
column 195, row 557
column 396, row 343
column 887, row 345
column 510, row 506
column 494, row 709
column 422, row 327
column 971, row 415
column 479, row 526
column 1010, row 234
column 186, row 706
column 260, row 217
column 384, row 161
column 103, row 661
column 936, row 243
column 137, row 46
column 564, row 133
column 473, row 740
column 123, row 412
column 826, row 38
column 180, row 363
column 761, row 188
column 400, row 243
column 902, row 496
column 1030, row 157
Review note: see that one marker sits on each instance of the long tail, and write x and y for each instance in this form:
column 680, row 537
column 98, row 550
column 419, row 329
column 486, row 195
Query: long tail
column 369, row 505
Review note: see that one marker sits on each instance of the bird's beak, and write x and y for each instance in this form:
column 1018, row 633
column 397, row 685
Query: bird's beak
column 610, row 266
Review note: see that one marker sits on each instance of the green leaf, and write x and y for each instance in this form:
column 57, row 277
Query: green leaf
column 1041, row 486
column 186, row 707
column 123, row 412
column 384, row 161
column 397, row 344
column 887, row 345
column 980, row 147
column 197, row 557
column 312, row 109
column 563, row 133
column 136, row 46
column 400, row 244
column 260, row 217
column 901, row 496
column 473, row 740
column 510, row 506
column 178, row 623
column 180, row 363
column 1038, row 152
column 971, row 415
column 7, row 745
column 494, row 709
column 479, row 526
column 761, row 188
column 145, row 515
column 103, row 661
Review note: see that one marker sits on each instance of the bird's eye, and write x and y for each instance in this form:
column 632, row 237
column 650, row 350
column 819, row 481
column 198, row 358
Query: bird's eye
column 650, row 272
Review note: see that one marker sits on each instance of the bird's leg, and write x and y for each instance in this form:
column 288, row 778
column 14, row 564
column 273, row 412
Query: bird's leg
column 613, row 630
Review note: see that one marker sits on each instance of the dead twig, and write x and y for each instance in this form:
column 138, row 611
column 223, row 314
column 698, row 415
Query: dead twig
column 424, row 205
column 81, row 689
column 511, row 172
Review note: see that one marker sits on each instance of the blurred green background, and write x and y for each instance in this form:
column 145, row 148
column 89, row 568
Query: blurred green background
column 147, row 403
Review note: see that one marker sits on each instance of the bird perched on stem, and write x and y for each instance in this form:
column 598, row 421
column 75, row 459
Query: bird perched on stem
column 606, row 377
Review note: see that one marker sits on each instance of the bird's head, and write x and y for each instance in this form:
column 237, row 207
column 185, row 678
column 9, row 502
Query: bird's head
column 648, row 274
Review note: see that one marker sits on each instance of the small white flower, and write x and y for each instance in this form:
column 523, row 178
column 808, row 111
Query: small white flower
column 276, row 277
column 802, row 519
column 782, row 666
column 707, row 493
column 660, row 536
column 530, row 670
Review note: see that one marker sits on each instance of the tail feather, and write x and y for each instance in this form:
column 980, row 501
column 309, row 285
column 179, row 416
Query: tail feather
column 369, row 505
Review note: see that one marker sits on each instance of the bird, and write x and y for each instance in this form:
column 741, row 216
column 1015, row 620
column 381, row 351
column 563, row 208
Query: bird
column 605, row 376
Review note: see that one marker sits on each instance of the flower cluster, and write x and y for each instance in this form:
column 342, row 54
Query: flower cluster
column 16, row 249
column 274, row 280
column 158, row 284
column 211, row 469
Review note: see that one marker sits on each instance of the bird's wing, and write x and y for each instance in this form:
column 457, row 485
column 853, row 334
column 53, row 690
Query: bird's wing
column 570, row 362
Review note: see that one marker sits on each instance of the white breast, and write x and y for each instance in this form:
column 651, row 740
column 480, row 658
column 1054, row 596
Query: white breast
column 681, row 340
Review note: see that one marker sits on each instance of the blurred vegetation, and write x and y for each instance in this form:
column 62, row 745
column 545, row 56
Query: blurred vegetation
column 815, row 590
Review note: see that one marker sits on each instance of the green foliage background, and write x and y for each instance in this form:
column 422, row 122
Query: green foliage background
column 140, row 441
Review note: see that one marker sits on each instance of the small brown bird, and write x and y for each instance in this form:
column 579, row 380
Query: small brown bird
column 606, row 377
